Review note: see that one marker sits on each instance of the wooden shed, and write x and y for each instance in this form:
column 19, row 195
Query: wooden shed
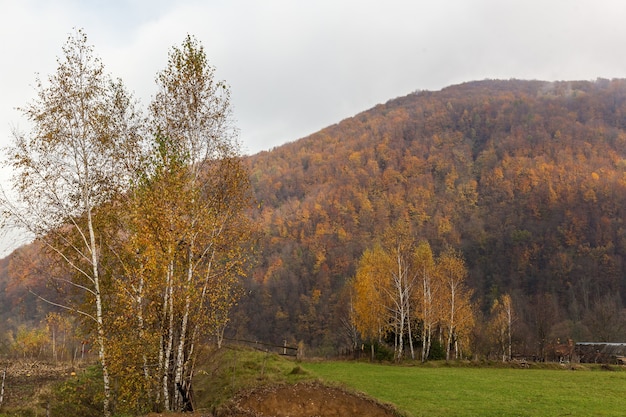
column 598, row 352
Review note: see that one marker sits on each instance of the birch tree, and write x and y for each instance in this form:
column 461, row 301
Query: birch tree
column 403, row 280
column 456, row 315
column 185, row 235
column 371, row 304
column 207, row 224
column 347, row 315
column 384, row 286
column 502, row 317
column 428, row 295
column 78, row 156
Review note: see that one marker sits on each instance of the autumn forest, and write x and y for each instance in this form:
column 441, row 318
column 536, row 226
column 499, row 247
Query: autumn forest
column 485, row 220
column 525, row 179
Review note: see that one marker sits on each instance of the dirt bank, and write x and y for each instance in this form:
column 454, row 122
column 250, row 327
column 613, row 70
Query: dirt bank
column 305, row 400
column 300, row 400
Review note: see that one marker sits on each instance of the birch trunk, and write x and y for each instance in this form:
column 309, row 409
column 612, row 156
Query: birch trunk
column 99, row 317
column 141, row 326
column 180, row 355
column 408, row 320
column 4, row 375
column 451, row 324
column 196, row 329
column 427, row 313
column 169, row 307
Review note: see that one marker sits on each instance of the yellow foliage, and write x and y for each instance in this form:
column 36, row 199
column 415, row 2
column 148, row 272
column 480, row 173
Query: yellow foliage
column 370, row 285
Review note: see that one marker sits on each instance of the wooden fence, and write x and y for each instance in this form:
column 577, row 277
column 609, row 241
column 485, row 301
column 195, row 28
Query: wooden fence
column 283, row 349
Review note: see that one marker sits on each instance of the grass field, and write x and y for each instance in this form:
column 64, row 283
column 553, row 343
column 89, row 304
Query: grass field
column 473, row 391
column 434, row 389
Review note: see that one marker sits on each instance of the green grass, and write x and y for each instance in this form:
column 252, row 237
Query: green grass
column 434, row 389
column 487, row 391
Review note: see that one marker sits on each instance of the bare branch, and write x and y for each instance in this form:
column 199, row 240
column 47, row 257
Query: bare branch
column 74, row 310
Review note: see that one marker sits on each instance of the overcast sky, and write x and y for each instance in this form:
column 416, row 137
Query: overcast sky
column 295, row 67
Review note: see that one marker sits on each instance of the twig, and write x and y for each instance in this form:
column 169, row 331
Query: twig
column 63, row 306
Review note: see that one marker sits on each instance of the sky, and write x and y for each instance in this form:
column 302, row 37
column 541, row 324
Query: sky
column 296, row 66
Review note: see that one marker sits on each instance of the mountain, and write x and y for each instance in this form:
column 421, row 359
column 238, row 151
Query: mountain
column 526, row 178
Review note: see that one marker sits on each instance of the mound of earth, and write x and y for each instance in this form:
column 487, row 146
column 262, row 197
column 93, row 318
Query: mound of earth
column 304, row 400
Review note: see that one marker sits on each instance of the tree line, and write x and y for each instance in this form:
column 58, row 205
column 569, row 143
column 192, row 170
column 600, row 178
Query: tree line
column 139, row 220
column 403, row 291
column 397, row 286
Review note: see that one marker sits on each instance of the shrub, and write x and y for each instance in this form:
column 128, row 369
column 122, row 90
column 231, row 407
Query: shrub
column 437, row 351
column 81, row 395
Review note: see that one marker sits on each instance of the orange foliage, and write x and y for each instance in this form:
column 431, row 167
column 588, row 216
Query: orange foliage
column 516, row 174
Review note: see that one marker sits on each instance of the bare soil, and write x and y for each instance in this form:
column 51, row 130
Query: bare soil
column 306, row 400
column 300, row 400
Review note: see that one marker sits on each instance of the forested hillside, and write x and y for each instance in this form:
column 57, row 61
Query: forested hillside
column 526, row 178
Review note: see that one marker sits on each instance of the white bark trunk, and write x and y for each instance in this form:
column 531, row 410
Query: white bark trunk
column 424, row 316
column 180, row 355
column 196, row 329
column 410, row 333
column 140, row 324
column 99, row 317
column 4, row 375
column 451, row 323
column 169, row 305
